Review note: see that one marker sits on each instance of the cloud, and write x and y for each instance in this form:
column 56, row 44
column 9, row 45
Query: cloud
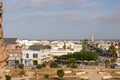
column 110, row 17
column 70, row 18
column 62, row 17
column 65, row 17
column 18, row 5
column 84, row 4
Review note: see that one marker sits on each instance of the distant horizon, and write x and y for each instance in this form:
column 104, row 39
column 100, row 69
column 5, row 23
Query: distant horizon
column 60, row 39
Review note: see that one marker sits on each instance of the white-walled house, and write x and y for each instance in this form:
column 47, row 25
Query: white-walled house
column 71, row 47
column 28, row 56
column 27, row 42
column 60, row 52
column 104, row 45
column 31, row 57
column 45, row 42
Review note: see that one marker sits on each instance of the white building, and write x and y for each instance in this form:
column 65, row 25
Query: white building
column 60, row 52
column 45, row 42
column 27, row 42
column 31, row 57
column 70, row 47
column 104, row 44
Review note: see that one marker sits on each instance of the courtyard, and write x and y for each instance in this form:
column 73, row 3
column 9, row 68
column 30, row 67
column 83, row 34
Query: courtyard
column 80, row 73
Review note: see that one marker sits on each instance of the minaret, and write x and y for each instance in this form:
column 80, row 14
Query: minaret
column 92, row 38
column 3, row 55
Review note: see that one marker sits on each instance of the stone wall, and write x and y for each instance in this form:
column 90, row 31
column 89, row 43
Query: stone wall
column 3, row 55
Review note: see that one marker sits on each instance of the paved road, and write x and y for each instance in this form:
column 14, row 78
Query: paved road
column 92, row 74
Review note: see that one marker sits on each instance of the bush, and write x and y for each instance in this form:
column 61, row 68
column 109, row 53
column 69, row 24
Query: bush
column 39, row 66
column 113, row 60
column 22, row 72
column 21, row 66
column 74, row 65
column 46, row 76
column 54, row 65
column 8, row 77
column 43, row 65
column 60, row 73
column 112, row 66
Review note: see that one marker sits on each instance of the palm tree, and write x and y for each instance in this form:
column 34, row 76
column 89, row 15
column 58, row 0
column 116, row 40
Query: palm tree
column 64, row 46
column 113, row 60
column 85, row 44
column 107, row 63
column 112, row 49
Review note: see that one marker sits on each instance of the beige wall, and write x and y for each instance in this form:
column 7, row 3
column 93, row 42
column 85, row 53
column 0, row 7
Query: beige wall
column 3, row 55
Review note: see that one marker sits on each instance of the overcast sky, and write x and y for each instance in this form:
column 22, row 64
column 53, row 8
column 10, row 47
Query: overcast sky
column 61, row 19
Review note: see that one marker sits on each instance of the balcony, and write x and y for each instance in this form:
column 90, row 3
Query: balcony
column 1, row 4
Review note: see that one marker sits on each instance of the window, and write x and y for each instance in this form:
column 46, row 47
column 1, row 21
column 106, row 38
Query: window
column 27, row 55
column 35, row 55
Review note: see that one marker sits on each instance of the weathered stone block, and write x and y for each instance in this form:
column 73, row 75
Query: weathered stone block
column 1, row 4
column 1, row 11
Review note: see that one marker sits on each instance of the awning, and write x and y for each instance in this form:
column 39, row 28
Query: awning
column 35, row 59
column 46, row 59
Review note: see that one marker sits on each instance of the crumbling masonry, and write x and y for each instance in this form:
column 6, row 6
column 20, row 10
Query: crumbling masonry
column 3, row 55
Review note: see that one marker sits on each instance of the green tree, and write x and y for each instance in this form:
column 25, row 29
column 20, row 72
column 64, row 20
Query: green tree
column 72, row 60
column 49, row 47
column 60, row 73
column 88, row 55
column 113, row 60
column 72, row 63
column 64, row 46
column 107, row 63
column 112, row 49
column 83, row 55
column 8, row 77
column 54, row 65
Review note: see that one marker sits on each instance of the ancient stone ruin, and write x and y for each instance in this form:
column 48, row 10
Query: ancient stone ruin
column 3, row 55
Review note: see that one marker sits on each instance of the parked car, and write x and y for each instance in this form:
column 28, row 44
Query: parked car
column 116, row 64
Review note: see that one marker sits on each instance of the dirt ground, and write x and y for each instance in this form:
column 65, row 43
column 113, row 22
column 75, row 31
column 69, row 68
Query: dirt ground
column 52, row 73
